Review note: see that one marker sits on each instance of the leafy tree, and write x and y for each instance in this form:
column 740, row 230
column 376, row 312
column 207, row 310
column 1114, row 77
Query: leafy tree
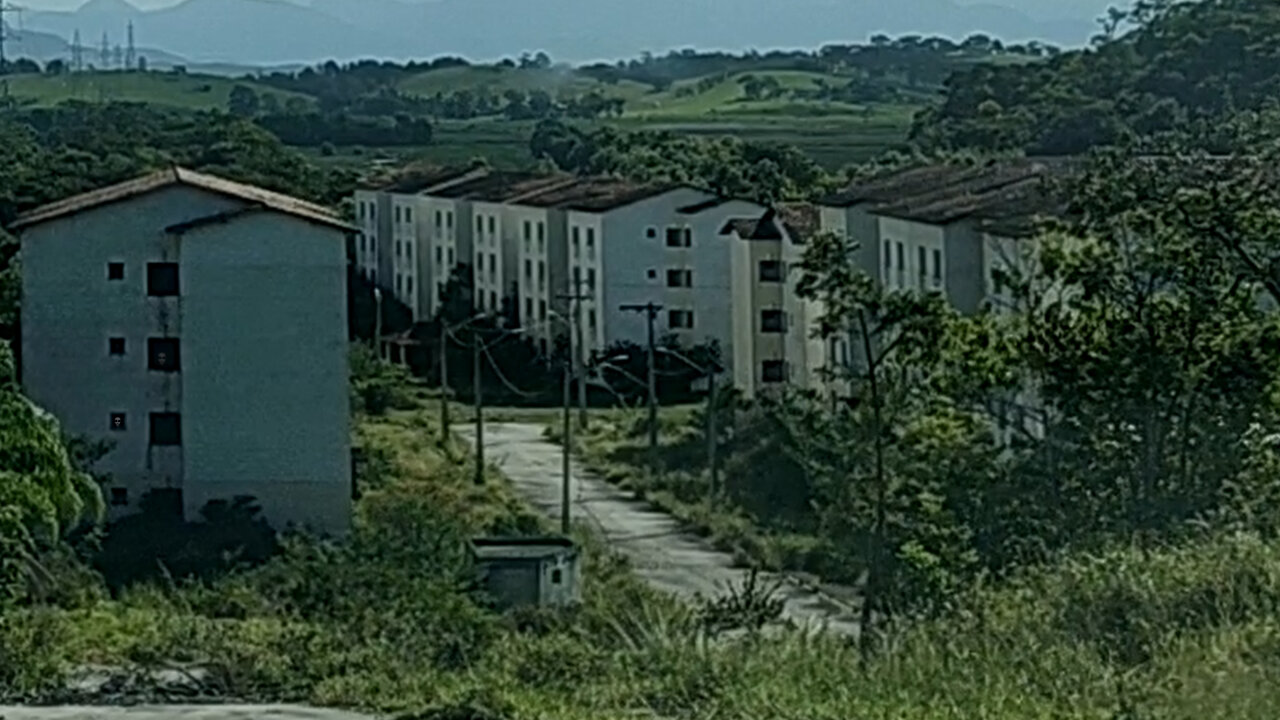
column 243, row 102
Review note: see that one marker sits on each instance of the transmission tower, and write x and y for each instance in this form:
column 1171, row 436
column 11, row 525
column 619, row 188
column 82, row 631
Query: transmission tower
column 6, row 32
column 118, row 56
column 104, row 53
column 131, row 55
column 77, row 53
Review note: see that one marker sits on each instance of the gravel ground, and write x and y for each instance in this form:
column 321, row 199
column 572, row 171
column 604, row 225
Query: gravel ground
column 662, row 553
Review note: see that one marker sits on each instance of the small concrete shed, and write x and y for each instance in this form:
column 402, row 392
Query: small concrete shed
column 520, row 572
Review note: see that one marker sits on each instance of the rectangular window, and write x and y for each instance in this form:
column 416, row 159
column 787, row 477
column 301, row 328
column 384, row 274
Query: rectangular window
column 362, row 243
column 448, row 219
column 937, row 266
column 542, row 272
column 163, row 355
column 528, row 269
column 399, row 284
column 542, row 310
column 408, row 250
column 439, row 219
column 591, row 238
column 528, row 233
column 439, row 255
column 166, row 429
column 773, row 321
column 408, row 215
column 397, row 213
column 577, row 278
column 408, row 284
column 688, row 237
column 115, row 346
column 119, row 422
column 398, row 244
column 576, row 237
column 360, row 208
column 450, row 257
column 115, row 271
column 770, row 271
column 888, row 255
column 922, row 260
column 773, row 371
column 675, row 237
column 493, row 225
column 493, row 301
column 591, row 279
column 479, row 224
column 651, row 232
column 162, row 279
column 528, row 309
column 680, row 319
column 591, row 319
column 119, row 496
column 902, row 257
column 679, row 278
column 542, row 235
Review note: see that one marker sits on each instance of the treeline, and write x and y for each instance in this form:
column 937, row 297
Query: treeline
column 733, row 167
column 1181, row 63
column 514, row 104
column 913, row 60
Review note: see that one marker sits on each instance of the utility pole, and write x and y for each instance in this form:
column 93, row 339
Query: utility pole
column 713, row 437
column 577, row 348
column 377, row 322
column 444, row 379
column 565, row 449
column 104, row 54
column 477, row 382
column 651, row 311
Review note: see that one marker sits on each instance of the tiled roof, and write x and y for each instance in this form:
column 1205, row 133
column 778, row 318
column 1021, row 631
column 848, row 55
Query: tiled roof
column 500, row 186
column 897, row 184
column 761, row 228
column 802, row 221
column 597, row 194
column 423, row 179
column 1018, row 182
column 181, row 176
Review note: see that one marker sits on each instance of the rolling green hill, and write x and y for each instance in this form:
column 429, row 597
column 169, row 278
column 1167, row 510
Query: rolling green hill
column 194, row 92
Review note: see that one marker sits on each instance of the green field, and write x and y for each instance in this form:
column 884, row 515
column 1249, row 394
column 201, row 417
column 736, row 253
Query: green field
column 833, row 133
column 193, row 92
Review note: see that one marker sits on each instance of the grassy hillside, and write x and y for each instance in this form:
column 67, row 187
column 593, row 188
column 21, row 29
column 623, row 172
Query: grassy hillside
column 194, row 92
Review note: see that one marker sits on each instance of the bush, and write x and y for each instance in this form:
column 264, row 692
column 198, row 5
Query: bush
column 376, row 385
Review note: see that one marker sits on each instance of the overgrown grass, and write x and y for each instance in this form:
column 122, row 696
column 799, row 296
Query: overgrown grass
column 386, row 623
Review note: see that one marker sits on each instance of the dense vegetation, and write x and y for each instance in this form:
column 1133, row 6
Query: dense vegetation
column 1183, row 62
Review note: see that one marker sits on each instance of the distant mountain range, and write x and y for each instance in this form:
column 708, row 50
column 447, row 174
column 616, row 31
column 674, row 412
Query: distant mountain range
column 264, row 32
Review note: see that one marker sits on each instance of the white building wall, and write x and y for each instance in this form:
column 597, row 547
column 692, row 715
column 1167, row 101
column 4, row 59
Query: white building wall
column 903, row 266
column 585, row 233
column 441, row 245
column 256, row 294
column 536, row 276
column 404, row 252
column 490, row 256
column 266, row 410
column 636, row 259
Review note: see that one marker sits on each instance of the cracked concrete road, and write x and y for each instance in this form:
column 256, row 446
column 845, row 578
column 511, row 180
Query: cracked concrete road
column 665, row 555
column 176, row 712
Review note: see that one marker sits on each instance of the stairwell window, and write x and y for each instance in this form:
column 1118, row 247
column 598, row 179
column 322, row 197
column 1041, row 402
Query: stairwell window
column 162, row 279
column 679, row 278
column 680, row 319
column 773, row 371
column 679, row 237
column 937, row 267
column 163, row 355
column 771, row 271
column 115, row 271
column 166, row 429
column 773, row 321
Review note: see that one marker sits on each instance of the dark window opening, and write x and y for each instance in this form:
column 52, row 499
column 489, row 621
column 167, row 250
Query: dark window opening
column 773, row 321
column 166, row 429
column 119, row 422
column 937, row 265
column 163, row 355
column 119, row 496
column 770, row 271
column 651, row 233
column 115, row 271
column 679, row 237
column 115, row 346
column 162, row 279
column 679, row 278
column 680, row 319
column 653, row 274
column 774, row 371
column 557, row 576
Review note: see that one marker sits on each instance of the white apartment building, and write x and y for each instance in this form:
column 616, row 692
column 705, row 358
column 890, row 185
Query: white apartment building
column 200, row 326
column 625, row 244
column 410, row 241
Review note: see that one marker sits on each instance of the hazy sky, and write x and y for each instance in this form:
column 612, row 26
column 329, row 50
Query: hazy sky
column 1068, row 7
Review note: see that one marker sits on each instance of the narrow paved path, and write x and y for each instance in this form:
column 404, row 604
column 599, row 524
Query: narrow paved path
column 176, row 712
column 663, row 553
